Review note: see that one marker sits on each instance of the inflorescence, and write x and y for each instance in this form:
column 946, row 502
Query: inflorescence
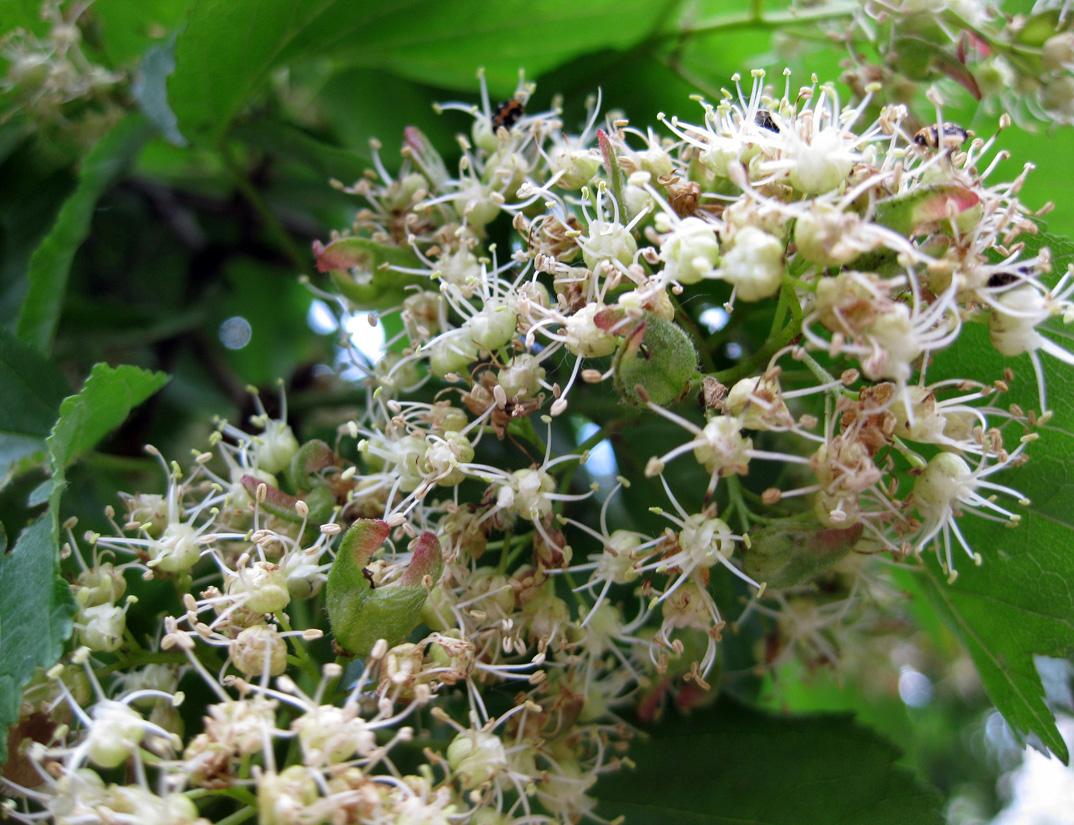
column 548, row 279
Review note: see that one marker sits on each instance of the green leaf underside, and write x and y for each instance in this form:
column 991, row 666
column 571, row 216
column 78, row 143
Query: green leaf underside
column 30, row 638
column 732, row 765
column 31, row 389
column 51, row 261
column 442, row 42
column 1017, row 603
column 150, row 89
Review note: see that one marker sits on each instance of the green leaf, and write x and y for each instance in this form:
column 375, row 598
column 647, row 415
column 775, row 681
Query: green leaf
column 226, row 53
column 105, row 401
column 35, row 616
column 443, row 42
column 51, row 261
column 354, row 116
column 25, row 14
column 129, row 29
column 1019, row 602
column 732, row 765
column 31, row 389
column 283, row 140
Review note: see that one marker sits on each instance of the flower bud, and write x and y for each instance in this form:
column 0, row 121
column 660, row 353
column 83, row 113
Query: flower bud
column 822, row 165
column 1057, row 96
column 690, row 252
column 608, row 241
column 114, row 734
column 265, row 586
column 103, row 584
column 1057, row 54
column 258, row 650
column 452, row 351
column 831, row 238
column 331, row 735
column 493, row 327
column 147, row 509
column 177, row 550
column 547, row 615
column 275, row 447
column 476, row 758
column 1013, row 333
column 443, row 457
column 286, row 798
column 304, row 576
column 522, row 376
column 754, row 265
column 476, row 205
column 152, row 677
column 586, row 338
column 579, row 166
column 527, row 494
column 102, row 627
column 758, row 404
column 134, row 803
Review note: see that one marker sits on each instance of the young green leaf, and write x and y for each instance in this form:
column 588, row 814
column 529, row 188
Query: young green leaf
column 655, row 361
column 103, row 403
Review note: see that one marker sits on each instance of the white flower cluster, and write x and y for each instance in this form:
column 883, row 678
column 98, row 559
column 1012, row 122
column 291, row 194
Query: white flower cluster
column 47, row 75
column 551, row 271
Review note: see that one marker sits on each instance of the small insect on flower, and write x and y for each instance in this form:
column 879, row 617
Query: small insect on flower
column 763, row 118
column 930, row 136
column 1001, row 279
column 507, row 114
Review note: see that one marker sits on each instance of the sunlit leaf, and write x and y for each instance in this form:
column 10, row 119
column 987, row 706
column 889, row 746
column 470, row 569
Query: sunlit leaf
column 442, row 42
